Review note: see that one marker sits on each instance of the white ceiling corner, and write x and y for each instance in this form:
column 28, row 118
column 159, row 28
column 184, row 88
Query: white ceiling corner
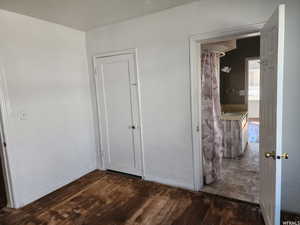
column 87, row 14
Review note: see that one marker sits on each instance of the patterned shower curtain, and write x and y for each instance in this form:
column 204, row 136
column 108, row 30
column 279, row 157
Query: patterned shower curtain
column 212, row 131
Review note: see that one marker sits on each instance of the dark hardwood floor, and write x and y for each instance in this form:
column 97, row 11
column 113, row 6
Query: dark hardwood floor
column 105, row 198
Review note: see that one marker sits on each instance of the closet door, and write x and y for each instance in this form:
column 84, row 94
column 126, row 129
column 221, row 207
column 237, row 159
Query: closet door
column 118, row 107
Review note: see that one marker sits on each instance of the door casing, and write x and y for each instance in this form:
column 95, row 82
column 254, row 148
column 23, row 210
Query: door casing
column 247, row 78
column 4, row 112
column 195, row 71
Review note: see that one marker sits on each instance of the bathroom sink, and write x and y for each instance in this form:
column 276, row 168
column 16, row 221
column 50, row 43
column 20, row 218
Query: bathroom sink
column 233, row 115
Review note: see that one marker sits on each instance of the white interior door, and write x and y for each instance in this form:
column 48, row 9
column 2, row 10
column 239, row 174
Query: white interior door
column 118, row 107
column 272, row 59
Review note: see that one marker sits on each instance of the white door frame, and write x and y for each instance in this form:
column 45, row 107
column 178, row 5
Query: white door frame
column 247, row 78
column 195, row 71
column 134, row 52
column 4, row 112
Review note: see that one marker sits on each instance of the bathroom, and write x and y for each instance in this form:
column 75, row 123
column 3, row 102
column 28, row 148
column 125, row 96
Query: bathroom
column 230, row 117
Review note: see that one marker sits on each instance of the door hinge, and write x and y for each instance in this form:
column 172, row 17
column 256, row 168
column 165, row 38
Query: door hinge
column 4, row 144
column 198, row 128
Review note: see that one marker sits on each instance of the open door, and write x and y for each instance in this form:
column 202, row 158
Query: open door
column 272, row 61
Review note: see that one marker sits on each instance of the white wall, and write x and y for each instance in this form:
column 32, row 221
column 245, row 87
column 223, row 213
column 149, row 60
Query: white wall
column 253, row 108
column 45, row 68
column 162, row 40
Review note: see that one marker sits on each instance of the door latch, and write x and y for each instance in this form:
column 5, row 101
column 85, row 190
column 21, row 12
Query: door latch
column 283, row 156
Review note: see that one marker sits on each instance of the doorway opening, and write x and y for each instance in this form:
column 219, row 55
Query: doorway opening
column 118, row 95
column 253, row 97
column 225, row 116
column 272, row 35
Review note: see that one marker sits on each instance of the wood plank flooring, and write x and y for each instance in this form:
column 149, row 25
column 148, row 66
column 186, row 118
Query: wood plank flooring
column 105, row 198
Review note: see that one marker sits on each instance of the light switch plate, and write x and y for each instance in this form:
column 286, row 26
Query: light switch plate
column 22, row 115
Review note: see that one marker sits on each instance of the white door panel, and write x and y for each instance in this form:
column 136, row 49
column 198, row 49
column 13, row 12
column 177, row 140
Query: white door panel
column 118, row 112
column 272, row 46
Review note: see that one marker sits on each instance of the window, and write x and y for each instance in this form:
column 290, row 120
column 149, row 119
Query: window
column 253, row 79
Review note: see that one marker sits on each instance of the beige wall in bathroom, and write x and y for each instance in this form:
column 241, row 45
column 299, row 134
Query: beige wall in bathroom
column 233, row 82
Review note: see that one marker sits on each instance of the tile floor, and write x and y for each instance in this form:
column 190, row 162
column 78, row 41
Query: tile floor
column 253, row 132
column 240, row 177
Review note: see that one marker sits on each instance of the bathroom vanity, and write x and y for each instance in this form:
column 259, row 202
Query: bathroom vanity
column 235, row 130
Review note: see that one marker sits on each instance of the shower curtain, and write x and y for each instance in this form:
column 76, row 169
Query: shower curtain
column 211, row 125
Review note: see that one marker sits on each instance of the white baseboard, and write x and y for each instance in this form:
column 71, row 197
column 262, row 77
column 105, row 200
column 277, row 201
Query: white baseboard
column 169, row 182
column 165, row 181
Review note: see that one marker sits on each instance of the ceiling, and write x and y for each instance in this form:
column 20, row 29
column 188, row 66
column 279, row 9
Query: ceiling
column 87, row 14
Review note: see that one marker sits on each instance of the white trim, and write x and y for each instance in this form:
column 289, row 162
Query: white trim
column 115, row 53
column 95, row 79
column 169, row 182
column 140, row 111
column 195, row 68
column 5, row 110
column 279, row 110
column 247, row 78
column 134, row 52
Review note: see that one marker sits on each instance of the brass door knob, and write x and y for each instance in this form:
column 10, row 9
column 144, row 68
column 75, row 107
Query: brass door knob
column 283, row 156
column 273, row 155
column 270, row 155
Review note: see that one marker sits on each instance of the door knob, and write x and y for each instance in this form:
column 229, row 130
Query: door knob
column 270, row 155
column 273, row 155
column 283, row 156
